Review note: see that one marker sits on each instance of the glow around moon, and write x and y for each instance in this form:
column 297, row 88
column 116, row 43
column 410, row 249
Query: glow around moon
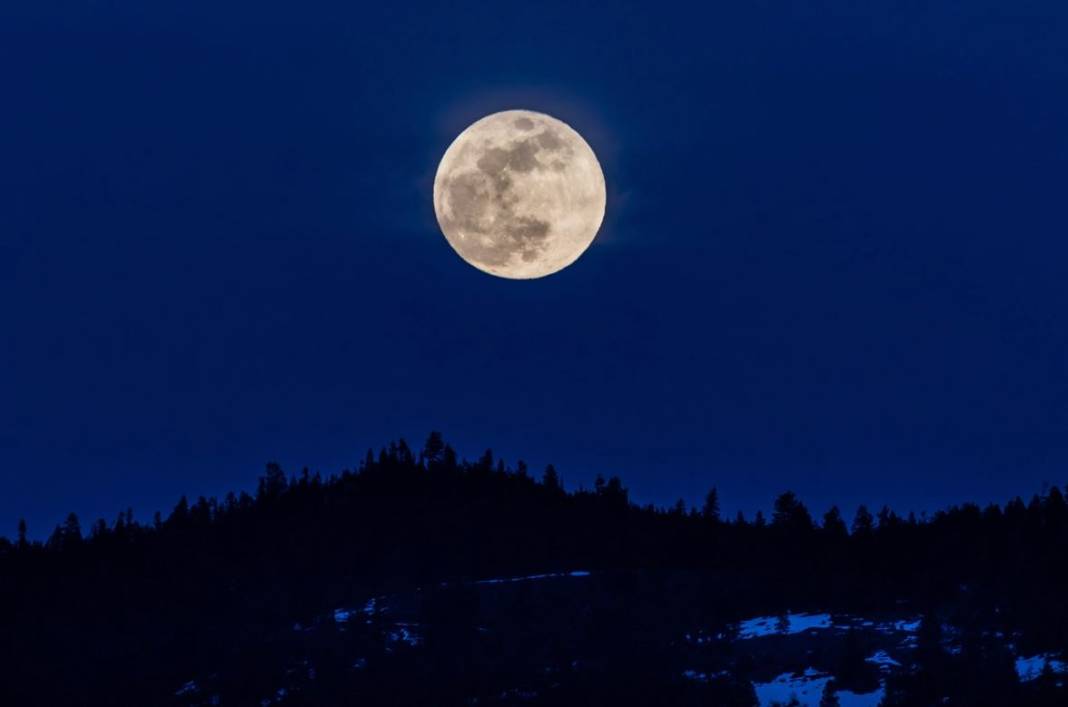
column 519, row 194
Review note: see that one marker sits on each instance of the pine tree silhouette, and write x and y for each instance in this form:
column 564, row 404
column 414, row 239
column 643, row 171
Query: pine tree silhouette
column 710, row 510
column 551, row 479
column 833, row 524
column 863, row 522
column 790, row 514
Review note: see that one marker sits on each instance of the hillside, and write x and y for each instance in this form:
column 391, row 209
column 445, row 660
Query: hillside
column 272, row 597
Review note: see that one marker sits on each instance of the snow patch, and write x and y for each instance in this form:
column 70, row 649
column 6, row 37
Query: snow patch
column 860, row 699
column 405, row 633
column 1030, row 668
column 787, row 624
column 883, row 660
column 529, row 577
column 806, row 687
column 911, row 626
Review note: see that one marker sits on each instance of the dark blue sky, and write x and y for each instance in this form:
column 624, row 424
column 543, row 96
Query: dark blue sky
column 833, row 260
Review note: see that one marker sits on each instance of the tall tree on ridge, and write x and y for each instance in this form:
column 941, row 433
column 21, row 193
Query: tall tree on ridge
column 710, row 511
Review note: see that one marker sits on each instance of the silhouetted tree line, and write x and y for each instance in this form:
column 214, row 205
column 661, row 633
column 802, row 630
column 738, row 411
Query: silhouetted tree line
column 126, row 612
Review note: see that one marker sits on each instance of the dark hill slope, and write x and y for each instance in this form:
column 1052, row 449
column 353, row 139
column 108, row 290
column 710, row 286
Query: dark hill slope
column 125, row 614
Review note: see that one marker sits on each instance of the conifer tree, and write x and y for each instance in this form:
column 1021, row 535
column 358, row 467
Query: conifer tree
column 710, row 510
column 72, row 530
column 833, row 524
column 551, row 480
column 789, row 513
column 863, row 522
column 273, row 482
column 433, row 448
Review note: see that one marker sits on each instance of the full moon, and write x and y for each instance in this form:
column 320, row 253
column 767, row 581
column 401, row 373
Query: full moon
column 519, row 194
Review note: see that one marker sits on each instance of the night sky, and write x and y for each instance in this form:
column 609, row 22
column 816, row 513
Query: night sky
column 833, row 258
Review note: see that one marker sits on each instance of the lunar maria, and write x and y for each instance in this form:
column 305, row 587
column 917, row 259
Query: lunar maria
column 519, row 194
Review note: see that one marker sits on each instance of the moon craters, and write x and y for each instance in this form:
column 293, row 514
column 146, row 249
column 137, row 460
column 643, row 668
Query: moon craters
column 508, row 192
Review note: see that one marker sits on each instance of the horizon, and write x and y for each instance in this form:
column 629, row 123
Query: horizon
column 729, row 508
